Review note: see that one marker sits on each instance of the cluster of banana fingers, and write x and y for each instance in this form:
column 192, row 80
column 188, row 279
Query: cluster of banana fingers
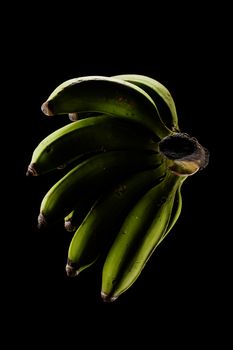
column 126, row 161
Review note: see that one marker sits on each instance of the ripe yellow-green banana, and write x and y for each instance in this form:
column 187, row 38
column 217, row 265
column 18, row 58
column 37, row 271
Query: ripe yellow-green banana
column 138, row 237
column 97, row 229
column 106, row 95
column 159, row 94
column 92, row 175
column 87, row 136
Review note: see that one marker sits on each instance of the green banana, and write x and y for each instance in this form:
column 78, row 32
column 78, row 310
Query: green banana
column 159, row 94
column 108, row 96
column 97, row 229
column 138, row 237
column 86, row 136
column 93, row 174
column 176, row 210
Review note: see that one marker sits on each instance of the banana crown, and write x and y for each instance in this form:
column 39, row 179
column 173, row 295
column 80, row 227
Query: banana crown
column 184, row 154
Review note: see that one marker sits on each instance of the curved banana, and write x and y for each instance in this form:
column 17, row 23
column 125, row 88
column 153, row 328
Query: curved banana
column 108, row 96
column 92, row 175
column 176, row 210
column 100, row 224
column 138, row 237
column 86, row 136
column 159, row 94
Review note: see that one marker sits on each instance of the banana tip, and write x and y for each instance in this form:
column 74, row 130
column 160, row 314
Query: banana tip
column 107, row 298
column 42, row 222
column 73, row 116
column 69, row 226
column 31, row 170
column 45, row 109
column 71, row 270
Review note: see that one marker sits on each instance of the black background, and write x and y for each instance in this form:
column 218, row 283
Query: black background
column 181, row 296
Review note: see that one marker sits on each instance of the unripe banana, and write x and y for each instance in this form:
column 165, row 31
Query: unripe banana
column 108, row 96
column 92, row 175
column 87, row 136
column 176, row 210
column 159, row 94
column 100, row 224
column 138, row 237
column 126, row 161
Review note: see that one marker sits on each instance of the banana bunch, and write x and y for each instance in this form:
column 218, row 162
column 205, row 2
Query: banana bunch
column 124, row 161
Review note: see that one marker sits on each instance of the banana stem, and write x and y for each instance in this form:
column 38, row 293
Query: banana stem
column 184, row 155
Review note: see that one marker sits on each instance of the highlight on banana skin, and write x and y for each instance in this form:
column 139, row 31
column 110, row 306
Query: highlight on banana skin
column 122, row 160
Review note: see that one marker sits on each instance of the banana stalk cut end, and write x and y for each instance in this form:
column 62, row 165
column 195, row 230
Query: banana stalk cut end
column 46, row 110
column 184, row 154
